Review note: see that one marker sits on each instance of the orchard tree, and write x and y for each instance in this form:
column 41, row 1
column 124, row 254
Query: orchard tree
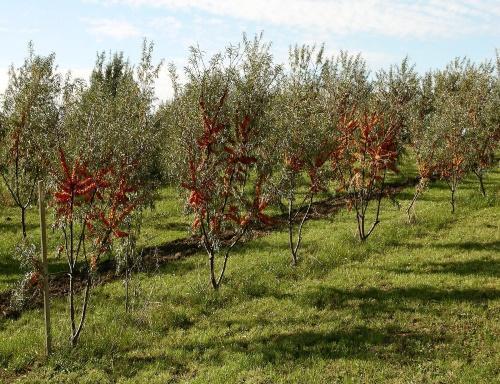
column 483, row 131
column 91, row 209
column 110, row 137
column 30, row 110
column 222, row 110
column 301, row 123
column 455, row 115
column 110, row 123
column 427, row 165
column 451, row 165
column 365, row 141
column 366, row 150
column 425, row 140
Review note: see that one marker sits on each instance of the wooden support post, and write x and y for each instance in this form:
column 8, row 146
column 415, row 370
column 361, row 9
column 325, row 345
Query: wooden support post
column 43, row 243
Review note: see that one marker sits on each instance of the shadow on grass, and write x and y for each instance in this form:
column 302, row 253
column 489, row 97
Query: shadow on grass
column 9, row 266
column 359, row 342
column 482, row 267
column 426, row 196
column 179, row 267
column 460, row 246
column 374, row 300
column 10, row 271
column 471, row 246
column 14, row 226
column 179, row 227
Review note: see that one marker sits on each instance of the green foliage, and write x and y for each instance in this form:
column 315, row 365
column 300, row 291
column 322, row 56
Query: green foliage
column 347, row 84
column 29, row 112
column 111, row 122
column 395, row 95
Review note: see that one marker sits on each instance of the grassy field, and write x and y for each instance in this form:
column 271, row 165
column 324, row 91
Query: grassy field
column 414, row 304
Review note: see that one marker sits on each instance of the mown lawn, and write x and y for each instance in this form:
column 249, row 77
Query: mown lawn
column 415, row 304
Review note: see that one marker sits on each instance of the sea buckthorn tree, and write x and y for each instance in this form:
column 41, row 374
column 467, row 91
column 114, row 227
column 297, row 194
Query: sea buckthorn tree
column 91, row 210
column 222, row 163
column 483, row 132
column 453, row 121
column 366, row 150
column 29, row 112
column 301, row 122
column 424, row 139
column 105, row 170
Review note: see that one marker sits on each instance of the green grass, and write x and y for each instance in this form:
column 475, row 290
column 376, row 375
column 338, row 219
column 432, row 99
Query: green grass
column 414, row 304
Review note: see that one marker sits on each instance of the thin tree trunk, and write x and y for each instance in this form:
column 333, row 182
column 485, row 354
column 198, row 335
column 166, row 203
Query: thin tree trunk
column 480, row 177
column 290, row 231
column 452, row 202
column 223, row 270
column 377, row 217
column 76, row 335
column 361, row 226
column 216, row 281
column 127, row 277
column 23, row 221
column 410, row 207
column 301, row 225
column 71, row 298
column 213, row 279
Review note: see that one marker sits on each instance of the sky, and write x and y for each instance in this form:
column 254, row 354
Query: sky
column 430, row 32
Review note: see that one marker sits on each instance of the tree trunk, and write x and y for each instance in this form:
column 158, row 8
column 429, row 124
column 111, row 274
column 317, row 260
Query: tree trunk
column 216, row 281
column 480, row 177
column 294, row 248
column 290, row 232
column 452, row 202
column 23, row 221
column 127, row 277
column 213, row 277
column 411, row 218
column 71, row 297
column 76, row 335
column 361, row 226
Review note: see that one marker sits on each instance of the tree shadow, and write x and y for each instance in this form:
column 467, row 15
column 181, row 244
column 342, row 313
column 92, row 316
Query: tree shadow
column 482, row 267
column 179, row 227
column 459, row 246
column 178, row 268
column 359, row 342
column 14, row 226
column 9, row 266
column 426, row 196
column 471, row 246
column 373, row 300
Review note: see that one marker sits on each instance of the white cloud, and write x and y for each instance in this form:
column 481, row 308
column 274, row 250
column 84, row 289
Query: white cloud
column 17, row 30
column 117, row 29
column 422, row 19
column 167, row 24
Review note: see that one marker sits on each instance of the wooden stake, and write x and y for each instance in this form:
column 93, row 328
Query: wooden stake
column 43, row 243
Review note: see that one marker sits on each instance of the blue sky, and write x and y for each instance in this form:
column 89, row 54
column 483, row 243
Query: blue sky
column 430, row 32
